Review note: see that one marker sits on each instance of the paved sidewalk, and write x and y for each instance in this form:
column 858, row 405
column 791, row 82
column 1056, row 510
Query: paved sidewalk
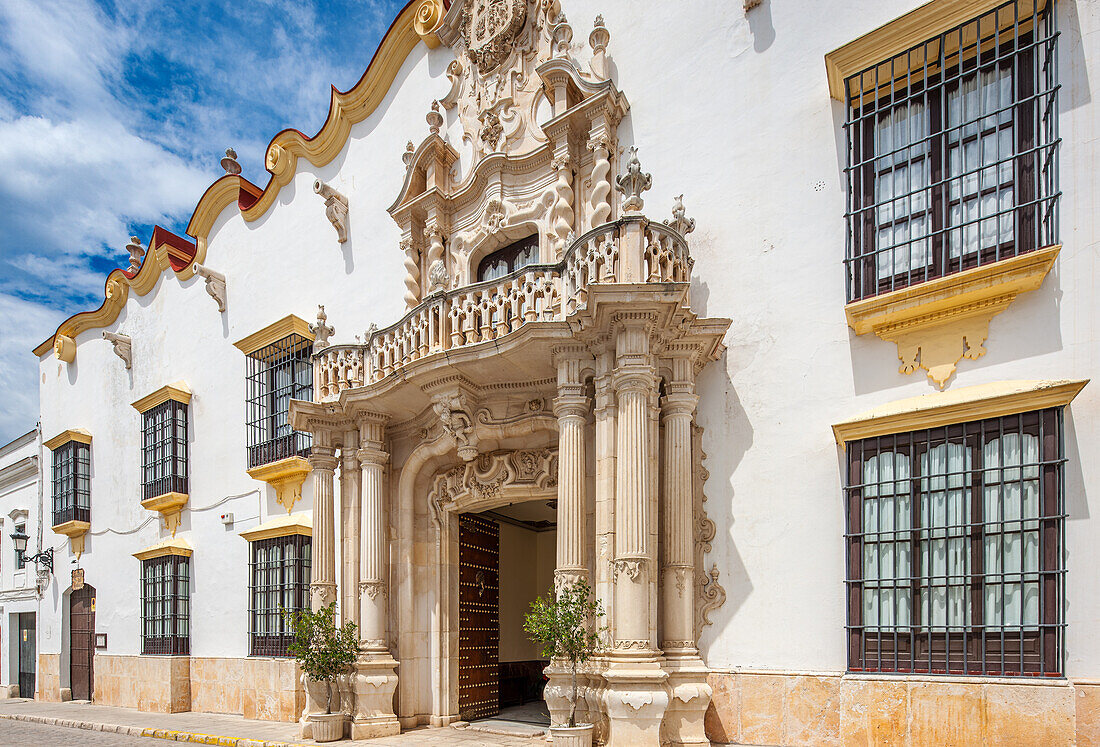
column 227, row 730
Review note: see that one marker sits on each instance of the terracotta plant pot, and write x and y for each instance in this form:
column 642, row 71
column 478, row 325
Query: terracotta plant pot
column 572, row 736
column 327, row 727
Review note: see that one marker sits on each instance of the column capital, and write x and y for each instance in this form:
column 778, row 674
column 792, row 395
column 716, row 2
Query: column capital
column 634, row 378
column 370, row 455
column 323, row 459
column 678, row 403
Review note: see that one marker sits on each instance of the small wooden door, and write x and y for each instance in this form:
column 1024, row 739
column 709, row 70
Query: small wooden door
column 81, row 641
column 478, row 617
column 28, row 654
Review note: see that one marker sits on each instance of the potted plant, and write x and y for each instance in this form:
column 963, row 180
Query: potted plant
column 324, row 652
column 565, row 625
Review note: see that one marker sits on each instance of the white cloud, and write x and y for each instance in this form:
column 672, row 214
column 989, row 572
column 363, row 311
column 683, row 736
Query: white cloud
column 26, row 325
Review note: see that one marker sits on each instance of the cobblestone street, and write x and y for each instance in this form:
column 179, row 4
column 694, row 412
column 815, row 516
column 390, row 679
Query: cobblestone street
column 33, row 735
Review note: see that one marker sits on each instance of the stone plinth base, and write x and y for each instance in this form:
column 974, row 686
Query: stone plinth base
column 148, row 683
column 689, row 697
column 636, row 699
column 374, row 683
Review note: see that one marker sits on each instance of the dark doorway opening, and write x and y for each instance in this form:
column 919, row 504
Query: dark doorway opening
column 81, row 642
column 28, row 654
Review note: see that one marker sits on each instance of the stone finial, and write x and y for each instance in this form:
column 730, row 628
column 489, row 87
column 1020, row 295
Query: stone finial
column 563, row 36
column 122, row 345
column 633, row 183
column 137, row 251
column 598, row 40
column 680, row 221
column 229, row 163
column 321, row 331
column 407, row 156
column 336, row 208
column 435, row 119
column 750, row 4
column 215, row 284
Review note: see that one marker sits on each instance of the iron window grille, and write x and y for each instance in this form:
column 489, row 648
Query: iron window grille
column 166, row 605
column 278, row 373
column 72, row 464
column 164, row 450
column 505, row 261
column 955, row 540
column 278, row 583
column 951, row 152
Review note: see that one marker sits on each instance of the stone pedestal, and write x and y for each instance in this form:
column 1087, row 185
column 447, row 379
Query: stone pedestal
column 689, row 697
column 636, row 700
column 375, row 681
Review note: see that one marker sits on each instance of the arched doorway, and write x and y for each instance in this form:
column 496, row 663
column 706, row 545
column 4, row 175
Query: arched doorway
column 81, row 641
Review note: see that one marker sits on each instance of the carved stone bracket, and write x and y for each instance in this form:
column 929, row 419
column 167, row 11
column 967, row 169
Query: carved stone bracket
column 711, row 597
column 122, row 345
column 215, row 284
column 456, row 416
column 336, row 209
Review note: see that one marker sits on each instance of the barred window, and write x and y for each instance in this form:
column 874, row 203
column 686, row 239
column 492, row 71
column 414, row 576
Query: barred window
column 164, row 450
column 166, row 605
column 951, row 152
column 955, row 542
column 278, row 373
column 72, row 465
column 509, row 259
column 278, row 582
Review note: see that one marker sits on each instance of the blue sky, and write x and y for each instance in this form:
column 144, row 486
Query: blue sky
column 113, row 117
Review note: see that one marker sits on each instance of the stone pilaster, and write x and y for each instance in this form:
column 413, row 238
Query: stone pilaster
column 605, row 412
column 687, row 675
column 636, row 685
column 322, row 585
column 350, row 509
column 376, row 675
column 571, row 407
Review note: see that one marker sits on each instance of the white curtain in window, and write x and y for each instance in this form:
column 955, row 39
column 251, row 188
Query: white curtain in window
column 945, row 546
column 980, row 147
column 902, row 179
column 1012, row 535
column 886, row 523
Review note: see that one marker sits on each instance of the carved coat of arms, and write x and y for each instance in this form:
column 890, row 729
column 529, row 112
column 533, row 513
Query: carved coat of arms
column 491, row 30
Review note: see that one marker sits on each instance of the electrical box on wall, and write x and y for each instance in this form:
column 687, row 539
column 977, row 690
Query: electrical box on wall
column 227, row 518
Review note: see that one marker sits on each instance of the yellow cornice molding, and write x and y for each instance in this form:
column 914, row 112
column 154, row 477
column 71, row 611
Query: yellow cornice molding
column 286, row 476
column 345, row 109
column 171, row 546
column 281, row 527
column 168, row 505
column 72, row 434
column 179, row 392
column 288, row 325
column 937, row 323
column 897, row 36
column 75, row 531
column 963, row 405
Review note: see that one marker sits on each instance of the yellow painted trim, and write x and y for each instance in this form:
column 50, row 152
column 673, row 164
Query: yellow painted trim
column 288, row 325
column 72, row 528
column 281, row 527
column 286, row 476
column 179, row 392
column 345, row 109
column 962, row 405
column 925, row 303
column 899, row 35
column 73, row 434
column 171, row 546
column 168, row 505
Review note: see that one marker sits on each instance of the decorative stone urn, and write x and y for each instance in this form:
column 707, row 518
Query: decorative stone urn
column 572, row 736
column 327, row 727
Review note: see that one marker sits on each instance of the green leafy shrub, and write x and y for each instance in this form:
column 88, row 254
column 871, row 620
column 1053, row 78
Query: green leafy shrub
column 321, row 649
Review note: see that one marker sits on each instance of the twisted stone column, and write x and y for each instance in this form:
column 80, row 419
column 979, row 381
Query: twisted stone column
column 322, row 582
column 350, row 509
column 376, row 671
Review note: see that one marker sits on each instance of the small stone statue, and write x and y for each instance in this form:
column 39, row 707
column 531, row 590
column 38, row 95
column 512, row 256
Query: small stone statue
column 633, row 183
column 229, row 163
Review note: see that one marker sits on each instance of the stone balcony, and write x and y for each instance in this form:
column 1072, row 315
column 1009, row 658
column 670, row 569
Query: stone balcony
column 632, row 250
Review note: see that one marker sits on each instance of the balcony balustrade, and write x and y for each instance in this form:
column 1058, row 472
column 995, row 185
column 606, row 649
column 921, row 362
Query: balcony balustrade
column 629, row 250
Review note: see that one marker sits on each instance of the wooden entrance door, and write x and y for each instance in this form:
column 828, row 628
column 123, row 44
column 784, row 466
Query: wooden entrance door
column 27, row 654
column 81, row 641
column 478, row 617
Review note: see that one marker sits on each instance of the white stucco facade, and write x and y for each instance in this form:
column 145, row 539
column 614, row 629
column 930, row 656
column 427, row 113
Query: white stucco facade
column 730, row 108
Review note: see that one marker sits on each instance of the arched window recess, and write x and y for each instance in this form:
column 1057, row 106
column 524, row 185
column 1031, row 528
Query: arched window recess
column 516, row 255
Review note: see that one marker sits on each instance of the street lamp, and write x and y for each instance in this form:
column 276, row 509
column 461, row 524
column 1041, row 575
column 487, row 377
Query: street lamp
column 43, row 558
